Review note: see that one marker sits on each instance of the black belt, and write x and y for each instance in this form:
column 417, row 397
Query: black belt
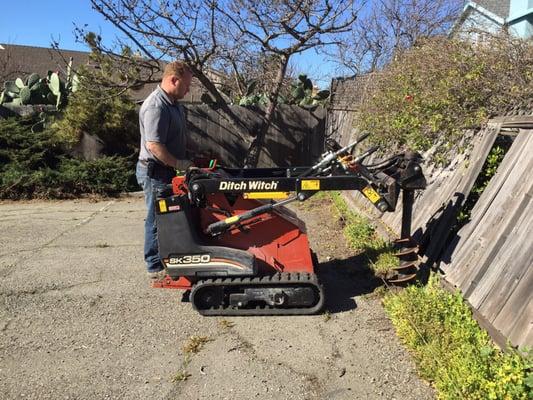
column 158, row 170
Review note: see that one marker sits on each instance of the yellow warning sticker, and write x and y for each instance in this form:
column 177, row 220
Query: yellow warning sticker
column 231, row 220
column 371, row 194
column 311, row 184
column 266, row 195
column 162, row 206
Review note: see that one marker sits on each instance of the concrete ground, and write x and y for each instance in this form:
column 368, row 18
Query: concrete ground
column 78, row 320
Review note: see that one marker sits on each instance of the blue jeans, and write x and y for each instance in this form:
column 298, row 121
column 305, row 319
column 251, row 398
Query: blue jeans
column 150, row 187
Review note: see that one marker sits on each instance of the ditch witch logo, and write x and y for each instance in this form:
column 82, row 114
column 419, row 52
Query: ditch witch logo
column 248, row 185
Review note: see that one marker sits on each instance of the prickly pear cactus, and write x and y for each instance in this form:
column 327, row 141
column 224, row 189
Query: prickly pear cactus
column 19, row 83
column 32, row 80
column 11, row 88
column 54, row 84
column 49, row 90
column 25, row 95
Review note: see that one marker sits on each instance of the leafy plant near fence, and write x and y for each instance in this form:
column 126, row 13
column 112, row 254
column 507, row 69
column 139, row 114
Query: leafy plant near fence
column 493, row 161
column 450, row 348
column 302, row 93
column 34, row 165
column 433, row 91
column 362, row 236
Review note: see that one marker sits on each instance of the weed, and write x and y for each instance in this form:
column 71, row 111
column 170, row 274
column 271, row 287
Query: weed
column 450, row 348
column 362, row 236
column 326, row 316
column 225, row 324
column 384, row 262
column 181, row 376
column 195, row 344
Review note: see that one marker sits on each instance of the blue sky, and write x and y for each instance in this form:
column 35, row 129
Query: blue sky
column 38, row 22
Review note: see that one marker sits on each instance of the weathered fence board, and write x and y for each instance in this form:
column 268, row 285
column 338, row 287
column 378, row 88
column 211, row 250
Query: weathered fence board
column 479, row 213
column 296, row 136
column 435, row 208
column 491, row 261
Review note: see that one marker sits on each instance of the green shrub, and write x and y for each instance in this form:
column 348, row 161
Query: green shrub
column 34, row 165
column 451, row 350
column 107, row 114
column 435, row 90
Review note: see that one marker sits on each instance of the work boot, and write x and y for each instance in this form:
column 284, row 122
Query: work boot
column 157, row 276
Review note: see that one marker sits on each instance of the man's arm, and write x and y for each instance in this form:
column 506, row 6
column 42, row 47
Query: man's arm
column 160, row 152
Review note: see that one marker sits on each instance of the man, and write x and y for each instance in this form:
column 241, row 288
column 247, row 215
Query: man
column 163, row 150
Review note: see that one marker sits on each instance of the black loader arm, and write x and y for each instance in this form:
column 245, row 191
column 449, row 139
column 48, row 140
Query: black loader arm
column 379, row 182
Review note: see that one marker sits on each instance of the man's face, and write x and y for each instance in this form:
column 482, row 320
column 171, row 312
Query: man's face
column 180, row 86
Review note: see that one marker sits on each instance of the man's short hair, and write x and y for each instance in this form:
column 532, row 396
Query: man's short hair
column 176, row 68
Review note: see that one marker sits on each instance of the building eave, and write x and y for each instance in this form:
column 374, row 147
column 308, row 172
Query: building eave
column 520, row 15
column 485, row 12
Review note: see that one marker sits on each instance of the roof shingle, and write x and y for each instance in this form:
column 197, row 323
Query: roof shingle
column 499, row 7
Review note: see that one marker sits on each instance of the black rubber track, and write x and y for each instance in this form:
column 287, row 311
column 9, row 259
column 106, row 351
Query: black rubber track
column 272, row 281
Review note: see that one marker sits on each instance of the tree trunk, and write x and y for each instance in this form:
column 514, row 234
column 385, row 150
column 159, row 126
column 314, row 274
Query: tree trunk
column 220, row 100
column 255, row 148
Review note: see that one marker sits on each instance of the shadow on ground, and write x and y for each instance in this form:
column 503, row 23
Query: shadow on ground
column 346, row 279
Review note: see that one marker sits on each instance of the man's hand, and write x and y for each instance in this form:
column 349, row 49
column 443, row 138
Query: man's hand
column 161, row 153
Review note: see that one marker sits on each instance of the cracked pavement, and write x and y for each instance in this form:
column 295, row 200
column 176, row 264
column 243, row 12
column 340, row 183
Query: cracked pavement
column 79, row 320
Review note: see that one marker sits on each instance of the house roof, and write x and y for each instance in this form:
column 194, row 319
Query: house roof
column 19, row 60
column 498, row 7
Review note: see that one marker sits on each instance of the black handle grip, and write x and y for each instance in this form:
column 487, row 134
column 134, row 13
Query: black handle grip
column 217, row 227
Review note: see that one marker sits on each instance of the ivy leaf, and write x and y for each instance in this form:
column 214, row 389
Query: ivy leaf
column 529, row 380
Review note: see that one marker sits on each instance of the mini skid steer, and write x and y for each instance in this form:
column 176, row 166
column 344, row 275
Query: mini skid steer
column 226, row 236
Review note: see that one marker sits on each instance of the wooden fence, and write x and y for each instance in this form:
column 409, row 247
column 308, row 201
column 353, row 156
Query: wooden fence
column 490, row 259
column 296, row 136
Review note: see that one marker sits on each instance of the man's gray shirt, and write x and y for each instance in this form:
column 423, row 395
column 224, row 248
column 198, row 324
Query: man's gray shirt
column 162, row 121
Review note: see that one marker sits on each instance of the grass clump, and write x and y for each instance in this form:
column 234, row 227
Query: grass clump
column 362, row 236
column 195, row 344
column 451, row 350
column 181, row 376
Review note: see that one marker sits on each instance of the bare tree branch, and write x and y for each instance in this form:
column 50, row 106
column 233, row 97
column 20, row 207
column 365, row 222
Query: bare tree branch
column 228, row 34
column 390, row 26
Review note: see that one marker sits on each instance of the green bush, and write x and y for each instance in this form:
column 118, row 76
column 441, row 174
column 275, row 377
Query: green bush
column 34, row 165
column 450, row 348
column 107, row 114
column 429, row 94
